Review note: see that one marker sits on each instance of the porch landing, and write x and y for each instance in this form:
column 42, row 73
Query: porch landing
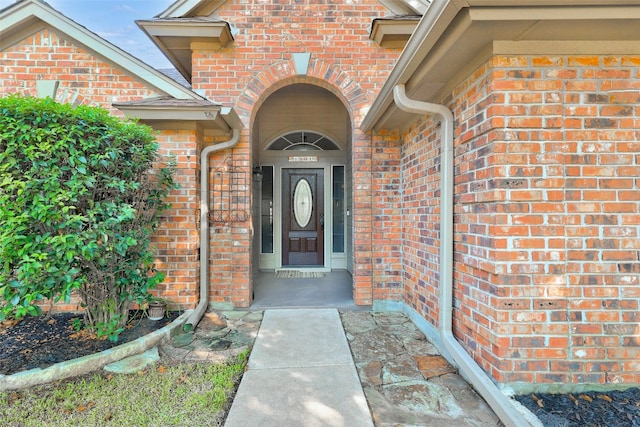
column 334, row 290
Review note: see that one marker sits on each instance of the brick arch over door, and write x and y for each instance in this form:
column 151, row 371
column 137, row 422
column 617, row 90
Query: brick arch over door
column 357, row 101
column 319, row 73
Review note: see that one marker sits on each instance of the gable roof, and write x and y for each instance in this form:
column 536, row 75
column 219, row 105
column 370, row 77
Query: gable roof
column 191, row 8
column 26, row 17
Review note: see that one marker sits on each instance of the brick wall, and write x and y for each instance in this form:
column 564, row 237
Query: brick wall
column 86, row 79
column 230, row 241
column 258, row 62
column 421, row 218
column 336, row 33
column 481, row 204
column 377, row 219
column 178, row 237
column 387, row 217
column 546, row 219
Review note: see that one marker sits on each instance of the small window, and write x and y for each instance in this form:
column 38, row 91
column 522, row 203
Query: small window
column 338, row 209
column 303, row 141
column 266, row 210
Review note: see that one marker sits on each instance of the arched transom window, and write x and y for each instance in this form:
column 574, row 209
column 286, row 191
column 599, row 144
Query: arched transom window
column 302, row 140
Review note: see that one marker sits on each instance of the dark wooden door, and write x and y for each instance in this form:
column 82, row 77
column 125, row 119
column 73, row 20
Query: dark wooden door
column 302, row 217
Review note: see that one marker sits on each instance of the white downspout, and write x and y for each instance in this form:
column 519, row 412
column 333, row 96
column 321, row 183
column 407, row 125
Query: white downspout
column 203, row 302
column 501, row 405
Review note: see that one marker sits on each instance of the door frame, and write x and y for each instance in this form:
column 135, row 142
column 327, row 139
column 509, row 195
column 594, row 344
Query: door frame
column 318, row 217
column 273, row 261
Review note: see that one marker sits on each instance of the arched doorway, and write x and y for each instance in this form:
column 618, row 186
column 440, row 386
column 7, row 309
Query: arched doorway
column 301, row 142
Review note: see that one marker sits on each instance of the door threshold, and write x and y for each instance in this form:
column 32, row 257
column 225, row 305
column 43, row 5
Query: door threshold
column 307, row 268
column 298, row 274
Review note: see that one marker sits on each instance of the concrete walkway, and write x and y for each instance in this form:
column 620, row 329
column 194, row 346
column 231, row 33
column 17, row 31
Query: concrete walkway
column 300, row 373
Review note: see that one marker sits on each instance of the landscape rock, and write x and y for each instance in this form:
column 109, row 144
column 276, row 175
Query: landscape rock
column 135, row 363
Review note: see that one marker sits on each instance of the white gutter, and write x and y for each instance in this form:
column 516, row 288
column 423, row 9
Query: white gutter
column 203, row 303
column 500, row 404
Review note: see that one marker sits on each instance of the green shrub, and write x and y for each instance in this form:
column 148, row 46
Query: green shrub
column 79, row 201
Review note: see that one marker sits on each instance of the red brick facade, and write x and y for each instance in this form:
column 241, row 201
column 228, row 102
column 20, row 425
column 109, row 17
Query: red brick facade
column 259, row 61
column 547, row 207
column 546, row 218
column 178, row 238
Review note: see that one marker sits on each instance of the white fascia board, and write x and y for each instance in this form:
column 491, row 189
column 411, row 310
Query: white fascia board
column 24, row 11
column 190, row 8
column 179, row 9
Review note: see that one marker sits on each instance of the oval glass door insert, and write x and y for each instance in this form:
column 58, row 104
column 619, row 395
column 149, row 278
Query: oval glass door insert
column 302, row 203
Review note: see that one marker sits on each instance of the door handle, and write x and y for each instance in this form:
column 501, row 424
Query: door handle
column 322, row 221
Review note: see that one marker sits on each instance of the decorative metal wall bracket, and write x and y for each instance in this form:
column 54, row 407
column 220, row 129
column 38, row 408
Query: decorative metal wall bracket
column 231, row 193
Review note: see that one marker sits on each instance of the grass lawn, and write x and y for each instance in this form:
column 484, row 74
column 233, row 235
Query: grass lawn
column 186, row 394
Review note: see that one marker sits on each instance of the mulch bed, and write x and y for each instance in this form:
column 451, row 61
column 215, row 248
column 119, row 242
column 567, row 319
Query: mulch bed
column 39, row 342
column 588, row 409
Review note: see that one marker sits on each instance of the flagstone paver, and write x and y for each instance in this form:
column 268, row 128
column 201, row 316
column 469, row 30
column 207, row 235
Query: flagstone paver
column 135, row 363
column 404, row 378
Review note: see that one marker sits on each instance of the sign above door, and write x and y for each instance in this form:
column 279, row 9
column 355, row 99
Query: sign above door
column 307, row 159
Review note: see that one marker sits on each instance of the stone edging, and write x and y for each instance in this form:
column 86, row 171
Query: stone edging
column 92, row 362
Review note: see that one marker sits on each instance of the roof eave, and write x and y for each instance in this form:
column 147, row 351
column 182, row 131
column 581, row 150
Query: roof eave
column 426, row 33
column 214, row 119
column 456, row 36
column 177, row 39
column 393, row 33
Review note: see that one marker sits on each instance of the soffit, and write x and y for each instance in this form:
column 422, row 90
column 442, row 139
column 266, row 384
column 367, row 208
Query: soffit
column 394, row 31
column 447, row 47
column 171, row 113
column 178, row 37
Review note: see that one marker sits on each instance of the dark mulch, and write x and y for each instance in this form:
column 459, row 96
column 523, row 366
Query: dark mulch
column 39, row 342
column 592, row 409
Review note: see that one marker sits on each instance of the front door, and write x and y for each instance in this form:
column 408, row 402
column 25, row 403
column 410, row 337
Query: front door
column 303, row 217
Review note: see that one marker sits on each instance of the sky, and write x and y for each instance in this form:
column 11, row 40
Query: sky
column 114, row 20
